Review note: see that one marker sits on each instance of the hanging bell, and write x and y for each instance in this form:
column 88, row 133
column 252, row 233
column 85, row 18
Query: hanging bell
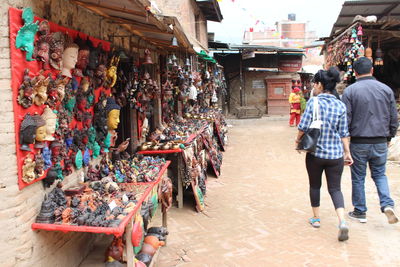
column 187, row 64
column 169, row 62
column 174, row 41
column 175, row 65
column 147, row 57
column 378, row 57
column 174, row 57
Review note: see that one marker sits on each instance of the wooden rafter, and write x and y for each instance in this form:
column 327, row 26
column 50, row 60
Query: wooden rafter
column 113, row 8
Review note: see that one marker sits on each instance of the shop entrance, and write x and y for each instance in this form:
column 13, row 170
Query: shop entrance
column 278, row 91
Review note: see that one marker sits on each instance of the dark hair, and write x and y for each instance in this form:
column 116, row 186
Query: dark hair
column 362, row 65
column 328, row 79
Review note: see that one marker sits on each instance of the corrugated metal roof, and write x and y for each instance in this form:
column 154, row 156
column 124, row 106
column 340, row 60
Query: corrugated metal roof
column 379, row 8
column 265, row 48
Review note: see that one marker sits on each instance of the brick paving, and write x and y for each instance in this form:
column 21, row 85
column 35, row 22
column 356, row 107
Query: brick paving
column 257, row 212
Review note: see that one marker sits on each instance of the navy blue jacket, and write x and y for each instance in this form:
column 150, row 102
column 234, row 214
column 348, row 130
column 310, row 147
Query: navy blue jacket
column 371, row 109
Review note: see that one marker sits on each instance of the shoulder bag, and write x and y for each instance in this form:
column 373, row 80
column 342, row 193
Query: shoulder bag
column 309, row 140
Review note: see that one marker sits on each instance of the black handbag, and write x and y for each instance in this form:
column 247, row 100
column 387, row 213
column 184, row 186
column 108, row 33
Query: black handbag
column 309, row 140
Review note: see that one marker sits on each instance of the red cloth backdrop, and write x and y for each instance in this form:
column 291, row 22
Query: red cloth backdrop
column 18, row 65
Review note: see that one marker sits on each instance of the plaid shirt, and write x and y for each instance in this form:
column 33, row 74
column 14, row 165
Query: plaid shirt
column 334, row 126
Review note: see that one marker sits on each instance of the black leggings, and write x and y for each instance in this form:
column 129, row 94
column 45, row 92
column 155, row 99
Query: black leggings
column 333, row 170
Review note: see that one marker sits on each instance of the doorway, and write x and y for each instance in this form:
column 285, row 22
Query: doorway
column 278, row 91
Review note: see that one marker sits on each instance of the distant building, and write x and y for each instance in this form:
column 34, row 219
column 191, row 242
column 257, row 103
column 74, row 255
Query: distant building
column 286, row 33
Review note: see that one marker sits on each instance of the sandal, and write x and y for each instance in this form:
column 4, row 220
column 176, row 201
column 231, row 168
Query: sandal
column 315, row 222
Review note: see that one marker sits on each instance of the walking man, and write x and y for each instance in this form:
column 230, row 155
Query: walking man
column 372, row 118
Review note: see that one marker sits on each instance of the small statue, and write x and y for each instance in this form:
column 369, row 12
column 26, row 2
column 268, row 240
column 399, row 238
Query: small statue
column 39, row 168
column 51, row 121
column 66, row 216
column 25, row 96
column 68, row 166
column 26, row 35
column 52, row 175
column 112, row 72
column 46, row 153
column 46, row 214
column 57, row 41
column 40, row 135
column 69, row 59
column 60, row 84
column 40, row 84
column 27, row 132
column 42, row 46
column 28, row 170
column 56, row 147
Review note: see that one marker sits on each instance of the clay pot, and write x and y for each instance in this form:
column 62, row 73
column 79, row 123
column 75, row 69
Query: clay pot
column 154, row 241
column 148, row 249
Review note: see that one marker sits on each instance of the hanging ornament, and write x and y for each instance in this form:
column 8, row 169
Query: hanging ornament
column 360, row 30
column 353, row 35
column 379, row 55
column 361, row 51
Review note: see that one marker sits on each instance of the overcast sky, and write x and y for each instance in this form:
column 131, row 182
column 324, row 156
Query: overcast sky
column 321, row 15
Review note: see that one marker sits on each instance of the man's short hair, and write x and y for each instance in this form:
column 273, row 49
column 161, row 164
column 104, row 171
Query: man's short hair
column 362, row 65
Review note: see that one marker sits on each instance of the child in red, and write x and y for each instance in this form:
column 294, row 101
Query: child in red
column 295, row 106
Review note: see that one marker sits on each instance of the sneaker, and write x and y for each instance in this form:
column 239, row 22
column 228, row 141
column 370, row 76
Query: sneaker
column 392, row 217
column 343, row 232
column 315, row 222
column 359, row 216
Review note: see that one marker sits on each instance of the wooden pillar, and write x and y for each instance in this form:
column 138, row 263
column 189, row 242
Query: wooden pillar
column 130, row 261
column 179, row 197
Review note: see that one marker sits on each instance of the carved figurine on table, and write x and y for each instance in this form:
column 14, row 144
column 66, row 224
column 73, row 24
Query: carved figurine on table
column 51, row 121
column 26, row 34
column 42, row 47
column 40, row 84
column 69, row 59
column 40, row 135
column 46, row 214
column 25, row 95
column 83, row 57
column 28, row 170
column 166, row 193
column 27, row 132
column 111, row 76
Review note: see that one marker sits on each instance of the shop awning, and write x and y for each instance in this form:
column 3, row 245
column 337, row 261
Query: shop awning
column 203, row 55
column 136, row 17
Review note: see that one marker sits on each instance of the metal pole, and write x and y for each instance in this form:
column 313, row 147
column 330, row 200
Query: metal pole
column 241, row 78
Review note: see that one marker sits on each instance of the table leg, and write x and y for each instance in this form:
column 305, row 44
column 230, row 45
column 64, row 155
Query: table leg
column 130, row 261
column 180, row 186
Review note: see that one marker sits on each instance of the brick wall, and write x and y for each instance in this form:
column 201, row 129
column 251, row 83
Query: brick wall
column 19, row 245
column 186, row 11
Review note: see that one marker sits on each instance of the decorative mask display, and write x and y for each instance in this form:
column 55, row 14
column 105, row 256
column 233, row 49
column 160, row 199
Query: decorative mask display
column 27, row 132
column 40, row 135
column 39, row 167
column 28, row 170
column 57, row 41
column 26, row 34
column 69, row 59
column 51, row 121
column 111, row 77
column 113, row 112
column 40, row 84
column 25, row 95
column 42, row 47
column 99, row 76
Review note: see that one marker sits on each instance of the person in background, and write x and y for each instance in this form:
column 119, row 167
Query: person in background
column 372, row 118
column 332, row 150
column 192, row 94
column 295, row 106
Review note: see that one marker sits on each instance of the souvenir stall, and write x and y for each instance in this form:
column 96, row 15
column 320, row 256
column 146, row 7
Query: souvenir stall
column 376, row 40
column 70, row 91
column 195, row 140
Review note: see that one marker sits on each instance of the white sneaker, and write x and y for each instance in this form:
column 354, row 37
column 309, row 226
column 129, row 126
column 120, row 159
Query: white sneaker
column 392, row 217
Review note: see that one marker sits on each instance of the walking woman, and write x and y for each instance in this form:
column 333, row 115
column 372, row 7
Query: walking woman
column 332, row 150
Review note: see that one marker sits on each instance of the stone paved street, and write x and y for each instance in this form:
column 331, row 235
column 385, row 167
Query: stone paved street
column 257, row 212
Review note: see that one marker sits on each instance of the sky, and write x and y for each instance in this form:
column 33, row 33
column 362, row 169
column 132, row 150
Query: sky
column 241, row 14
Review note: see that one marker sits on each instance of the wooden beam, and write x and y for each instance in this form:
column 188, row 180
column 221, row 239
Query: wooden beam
column 137, row 25
column 113, row 8
column 368, row 3
column 383, row 33
column 387, row 10
column 145, row 4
